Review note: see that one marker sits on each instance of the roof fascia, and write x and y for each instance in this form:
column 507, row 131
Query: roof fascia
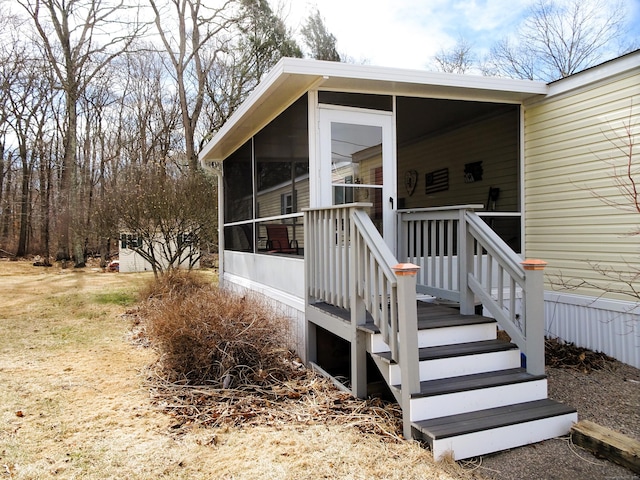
column 615, row 67
column 395, row 76
column 303, row 75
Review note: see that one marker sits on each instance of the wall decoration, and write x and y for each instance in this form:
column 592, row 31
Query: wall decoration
column 437, row 181
column 411, row 181
column 473, row 172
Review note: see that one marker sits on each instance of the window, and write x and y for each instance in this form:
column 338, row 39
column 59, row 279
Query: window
column 238, row 187
column 287, row 203
column 130, row 241
column 266, row 178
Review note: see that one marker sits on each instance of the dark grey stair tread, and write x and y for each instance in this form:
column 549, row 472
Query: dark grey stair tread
column 332, row 310
column 429, row 316
column 441, row 318
column 476, row 381
column 470, row 422
column 459, row 350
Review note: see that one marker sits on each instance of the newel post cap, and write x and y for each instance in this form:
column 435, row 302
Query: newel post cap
column 406, row 269
column 534, row 264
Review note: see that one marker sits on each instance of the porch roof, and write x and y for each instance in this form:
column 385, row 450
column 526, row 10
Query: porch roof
column 292, row 77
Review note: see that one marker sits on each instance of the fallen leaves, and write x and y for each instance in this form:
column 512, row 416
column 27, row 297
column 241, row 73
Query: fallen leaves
column 568, row 355
column 304, row 399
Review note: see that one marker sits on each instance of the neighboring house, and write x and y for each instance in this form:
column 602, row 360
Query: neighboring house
column 459, row 176
column 131, row 261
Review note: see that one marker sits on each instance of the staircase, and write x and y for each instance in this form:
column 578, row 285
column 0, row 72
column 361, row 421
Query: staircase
column 475, row 398
column 462, row 390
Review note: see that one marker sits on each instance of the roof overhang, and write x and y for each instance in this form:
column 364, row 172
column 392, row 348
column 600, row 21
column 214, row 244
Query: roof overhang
column 627, row 64
column 292, row 77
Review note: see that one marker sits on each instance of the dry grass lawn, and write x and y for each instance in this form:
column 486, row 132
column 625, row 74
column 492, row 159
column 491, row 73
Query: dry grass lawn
column 75, row 403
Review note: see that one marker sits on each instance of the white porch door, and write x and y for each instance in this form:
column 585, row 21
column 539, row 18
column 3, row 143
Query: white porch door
column 357, row 164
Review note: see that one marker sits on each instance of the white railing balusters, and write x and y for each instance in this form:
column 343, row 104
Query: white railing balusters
column 334, row 245
column 480, row 268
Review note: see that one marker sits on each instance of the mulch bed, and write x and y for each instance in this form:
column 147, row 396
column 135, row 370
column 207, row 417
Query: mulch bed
column 567, row 355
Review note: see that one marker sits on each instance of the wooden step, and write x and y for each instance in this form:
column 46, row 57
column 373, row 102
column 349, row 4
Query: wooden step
column 439, row 326
column 456, row 360
column 454, row 395
column 457, row 350
column 435, row 316
column 475, row 382
column 488, row 430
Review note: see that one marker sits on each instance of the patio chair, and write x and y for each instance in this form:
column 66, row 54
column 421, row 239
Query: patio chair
column 278, row 240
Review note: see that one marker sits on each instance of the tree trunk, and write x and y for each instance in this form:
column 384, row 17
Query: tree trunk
column 2, row 175
column 6, row 221
column 24, row 203
column 66, row 179
column 45, row 202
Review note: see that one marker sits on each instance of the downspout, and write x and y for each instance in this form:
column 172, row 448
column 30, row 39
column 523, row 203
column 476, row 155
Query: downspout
column 215, row 168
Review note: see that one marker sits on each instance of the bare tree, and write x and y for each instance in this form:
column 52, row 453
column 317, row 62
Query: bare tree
column 70, row 33
column 320, row 41
column 458, row 59
column 28, row 104
column 264, row 40
column 148, row 110
column 191, row 33
column 558, row 39
column 167, row 217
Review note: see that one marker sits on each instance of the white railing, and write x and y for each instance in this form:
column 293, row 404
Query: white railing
column 349, row 265
column 348, row 261
column 463, row 260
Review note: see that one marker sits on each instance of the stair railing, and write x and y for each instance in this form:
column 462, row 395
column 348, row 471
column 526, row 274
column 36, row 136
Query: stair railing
column 463, row 260
column 350, row 266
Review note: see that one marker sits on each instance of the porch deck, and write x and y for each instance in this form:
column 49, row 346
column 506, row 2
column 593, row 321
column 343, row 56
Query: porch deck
column 430, row 315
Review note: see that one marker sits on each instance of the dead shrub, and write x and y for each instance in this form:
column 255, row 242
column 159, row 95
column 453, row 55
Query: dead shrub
column 206, row 335
column 175, row 283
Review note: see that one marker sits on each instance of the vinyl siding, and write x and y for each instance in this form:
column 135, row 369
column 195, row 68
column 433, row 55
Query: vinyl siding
column 574, row 149
column 492, row 141
column 269, row 201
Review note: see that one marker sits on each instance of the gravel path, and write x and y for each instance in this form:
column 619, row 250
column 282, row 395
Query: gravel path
column 608, row 397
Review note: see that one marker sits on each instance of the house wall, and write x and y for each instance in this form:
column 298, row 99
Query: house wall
column 277, row 279
column 269, row 201
column 574, row 150
column 492, row 140
column 130, row 262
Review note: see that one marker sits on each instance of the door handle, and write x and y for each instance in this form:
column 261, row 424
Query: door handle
column 391, row 201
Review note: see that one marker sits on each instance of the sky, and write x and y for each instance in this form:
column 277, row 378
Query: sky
column 408, row 33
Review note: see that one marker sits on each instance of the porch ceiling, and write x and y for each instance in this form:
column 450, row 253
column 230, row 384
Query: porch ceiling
column 291, row 78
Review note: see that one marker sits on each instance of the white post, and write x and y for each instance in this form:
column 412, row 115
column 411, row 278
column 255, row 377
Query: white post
column 534, row 315
column 408, row 339
column 310, row 354
column 465, row 263
column 358, row 317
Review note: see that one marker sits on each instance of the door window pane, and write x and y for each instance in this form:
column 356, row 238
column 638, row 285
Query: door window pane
column 356, row 159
